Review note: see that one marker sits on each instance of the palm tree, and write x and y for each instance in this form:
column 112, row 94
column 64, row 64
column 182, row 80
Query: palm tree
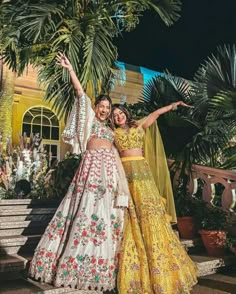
column 34, row 31
column 203, row 135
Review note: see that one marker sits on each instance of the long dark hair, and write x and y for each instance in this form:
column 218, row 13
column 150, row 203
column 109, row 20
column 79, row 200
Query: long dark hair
column 131, row 123
column 102, row 97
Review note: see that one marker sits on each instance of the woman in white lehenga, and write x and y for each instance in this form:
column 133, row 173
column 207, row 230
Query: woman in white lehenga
column 81, row 244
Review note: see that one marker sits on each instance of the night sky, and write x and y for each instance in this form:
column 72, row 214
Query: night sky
column 181, row 48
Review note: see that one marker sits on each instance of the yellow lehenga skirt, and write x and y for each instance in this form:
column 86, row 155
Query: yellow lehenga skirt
column 152, row 259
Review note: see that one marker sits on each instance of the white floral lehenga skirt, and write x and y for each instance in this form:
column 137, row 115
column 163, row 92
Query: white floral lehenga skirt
column 81, row 244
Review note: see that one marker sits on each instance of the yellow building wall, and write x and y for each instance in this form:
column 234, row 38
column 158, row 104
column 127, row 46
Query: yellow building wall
column 28, row 94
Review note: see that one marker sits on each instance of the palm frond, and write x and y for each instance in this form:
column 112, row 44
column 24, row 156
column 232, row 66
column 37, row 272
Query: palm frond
column 225, row 100
column 99, row 54
column 168, row 10
column 229, row 156
column 218, row 73
column 34, row 31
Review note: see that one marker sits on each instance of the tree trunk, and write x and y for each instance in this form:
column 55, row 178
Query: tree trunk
column 7, row 79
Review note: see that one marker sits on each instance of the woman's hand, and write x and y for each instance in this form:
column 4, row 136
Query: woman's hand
column 180, row 103
column 63, row 61
column 154, row 115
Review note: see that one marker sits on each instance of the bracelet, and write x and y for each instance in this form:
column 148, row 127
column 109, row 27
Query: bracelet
column 174, row 106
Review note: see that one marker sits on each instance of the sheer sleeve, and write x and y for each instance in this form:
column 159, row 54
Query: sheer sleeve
column 79, row 123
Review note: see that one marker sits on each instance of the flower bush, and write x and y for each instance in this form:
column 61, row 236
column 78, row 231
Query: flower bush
column 23, row 168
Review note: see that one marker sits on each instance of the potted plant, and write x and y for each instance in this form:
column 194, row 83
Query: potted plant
column 184, row 205
column 212, row 222
column 231, row 244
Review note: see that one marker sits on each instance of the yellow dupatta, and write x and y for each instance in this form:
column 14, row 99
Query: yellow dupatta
column 155, row 155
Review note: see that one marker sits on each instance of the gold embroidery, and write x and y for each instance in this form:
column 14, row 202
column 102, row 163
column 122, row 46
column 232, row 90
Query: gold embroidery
column 129, row 139
column 152, row 261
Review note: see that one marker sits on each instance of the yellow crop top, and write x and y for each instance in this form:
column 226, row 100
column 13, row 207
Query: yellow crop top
column 129, row 139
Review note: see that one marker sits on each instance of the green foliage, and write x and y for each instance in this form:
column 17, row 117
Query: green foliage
column 201, row 135
column 32, row 32
column 60, row 178
column 229, row 158
column 231, row 244
column 184, row 203
column 209, row 217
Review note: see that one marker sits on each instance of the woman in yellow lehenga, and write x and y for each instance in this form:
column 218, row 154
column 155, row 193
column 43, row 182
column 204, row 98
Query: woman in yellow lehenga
column 153, row 259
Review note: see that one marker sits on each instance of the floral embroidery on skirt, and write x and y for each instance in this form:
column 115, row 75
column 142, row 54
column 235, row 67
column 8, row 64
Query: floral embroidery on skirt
column 81, row 244
column 152, row 259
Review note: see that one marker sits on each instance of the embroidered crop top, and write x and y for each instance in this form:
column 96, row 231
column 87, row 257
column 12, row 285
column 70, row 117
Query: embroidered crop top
column 129, row 139
column 99, row 130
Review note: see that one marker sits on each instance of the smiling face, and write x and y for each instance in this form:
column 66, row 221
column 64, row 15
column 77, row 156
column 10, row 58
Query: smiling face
column 103, row 110
column 119, row 117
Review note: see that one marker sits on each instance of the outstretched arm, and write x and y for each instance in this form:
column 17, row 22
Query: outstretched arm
column 64, row 62
column 154, row 115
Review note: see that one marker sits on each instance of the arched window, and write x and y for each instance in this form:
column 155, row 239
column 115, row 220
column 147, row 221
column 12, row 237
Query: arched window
column 43, row 121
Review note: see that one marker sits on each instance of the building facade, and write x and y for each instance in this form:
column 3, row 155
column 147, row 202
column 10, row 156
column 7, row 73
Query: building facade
column 23, row 109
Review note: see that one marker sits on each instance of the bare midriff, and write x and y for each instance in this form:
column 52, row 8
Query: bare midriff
column 95, row 143
column 131, row 152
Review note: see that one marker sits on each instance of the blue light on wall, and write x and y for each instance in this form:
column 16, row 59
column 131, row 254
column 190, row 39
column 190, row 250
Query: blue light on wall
column 148, row 74
column 122, row 72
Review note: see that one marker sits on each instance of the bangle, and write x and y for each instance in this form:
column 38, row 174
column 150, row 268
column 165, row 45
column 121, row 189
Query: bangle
column 71, row 70
column 174, row 106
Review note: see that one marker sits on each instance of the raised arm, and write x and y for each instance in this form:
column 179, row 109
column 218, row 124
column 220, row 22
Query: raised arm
column 154, row 115
column 64, row 62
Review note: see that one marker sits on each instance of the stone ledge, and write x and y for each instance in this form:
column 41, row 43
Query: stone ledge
column 221, row 282
column 25, row 211
column 29, row 203
column 208, row 265
column 198, row 289
column 13, row 244
column 193, row 245
column 21, row 224
column 25, row 217
column 23, row 231
column 12, row 263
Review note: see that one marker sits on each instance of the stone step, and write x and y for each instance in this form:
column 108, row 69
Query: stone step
column 193, row 245
column 28, row 286
column 23, row 231
column 13, row 208
column 14, row 203
column 10, row 213
column 210, row 284
column 19, row 286
column 69, row 291
column 198, row 289
column 21, row 224
column 208, row 265
column 27, row 227
column 224, row 283
column 15, row 225
column 12, row 263
column 13, row 244
column 29, row 217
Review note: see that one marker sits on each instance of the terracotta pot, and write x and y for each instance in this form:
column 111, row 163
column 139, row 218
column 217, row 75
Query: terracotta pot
column 186, row 227
column 214, row 242
column 233, row 250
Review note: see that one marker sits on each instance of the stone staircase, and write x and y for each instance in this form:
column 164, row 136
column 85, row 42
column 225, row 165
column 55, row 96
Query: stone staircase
column 22, row 223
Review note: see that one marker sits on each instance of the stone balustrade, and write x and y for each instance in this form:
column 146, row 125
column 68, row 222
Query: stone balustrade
column 211, row 183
